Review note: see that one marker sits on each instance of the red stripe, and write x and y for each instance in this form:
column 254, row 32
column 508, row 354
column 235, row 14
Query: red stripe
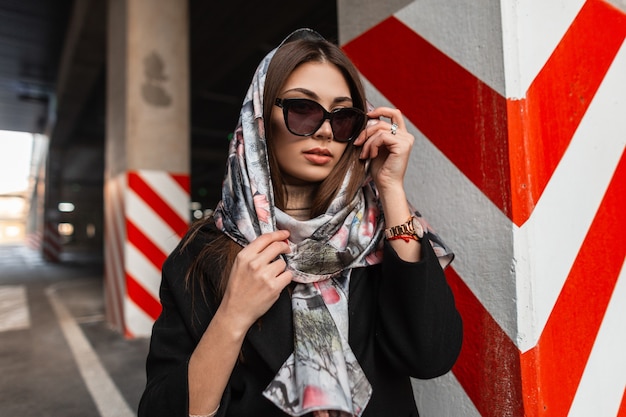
column 622, row 407
column 160, row 206
column 142, row 298
column 459, row 114
column 566, row 342
column 542, row 125
column 488, row 367
column 137, row 238
column 182, row 180
column 51, row 244
column 52, row 238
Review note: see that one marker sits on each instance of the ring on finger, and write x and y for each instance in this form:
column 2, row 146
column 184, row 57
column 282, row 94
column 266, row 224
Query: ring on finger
column 394, row 128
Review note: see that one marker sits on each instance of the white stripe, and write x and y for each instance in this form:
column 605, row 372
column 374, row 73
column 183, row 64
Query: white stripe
column 603, row 383
column 478, row 232
column 531, row 31
column 14, row 314
column 169, row 190
column 620, row 4
column 547, row 245
column 443, row 397
column 150, row 223
column 467, row 31
column 357, row 16
column 105, row 394
column 143, row 271
column 137, row 321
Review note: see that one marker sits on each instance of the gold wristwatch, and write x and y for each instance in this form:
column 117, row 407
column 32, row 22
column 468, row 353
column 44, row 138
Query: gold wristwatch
column 412, row 227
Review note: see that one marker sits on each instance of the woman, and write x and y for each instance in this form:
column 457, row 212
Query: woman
column 310, row 291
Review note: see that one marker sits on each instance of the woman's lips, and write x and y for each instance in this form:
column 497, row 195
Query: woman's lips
column 318, row 156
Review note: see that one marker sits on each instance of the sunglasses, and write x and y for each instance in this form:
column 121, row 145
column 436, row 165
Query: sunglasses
column 304, row 117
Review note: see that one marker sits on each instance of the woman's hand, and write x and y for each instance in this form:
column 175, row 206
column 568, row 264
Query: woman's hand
column 256, row 280
column 388, row 151
column 257, row 277
column 388, row 146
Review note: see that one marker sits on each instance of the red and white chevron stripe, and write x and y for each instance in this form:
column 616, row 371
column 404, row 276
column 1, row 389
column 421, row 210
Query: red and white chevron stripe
column 51, row 246
column 518, row 111
column 149, row 214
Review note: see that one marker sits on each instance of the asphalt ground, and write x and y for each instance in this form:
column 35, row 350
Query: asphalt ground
column 57, row 356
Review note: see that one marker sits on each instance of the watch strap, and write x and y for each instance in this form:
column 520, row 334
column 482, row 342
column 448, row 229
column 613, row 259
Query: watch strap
column 405, row 229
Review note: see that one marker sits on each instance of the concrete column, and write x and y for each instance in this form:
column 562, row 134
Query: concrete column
column 517, row 109
column 147, row 153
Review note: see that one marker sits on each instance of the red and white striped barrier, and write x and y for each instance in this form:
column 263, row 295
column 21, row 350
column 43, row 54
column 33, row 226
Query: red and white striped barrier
column 33, row 240
column 51, row 246
column 518, row 112
column 154, row 216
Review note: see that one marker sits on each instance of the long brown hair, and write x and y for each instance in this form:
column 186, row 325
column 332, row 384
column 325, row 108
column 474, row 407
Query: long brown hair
column 213, row 264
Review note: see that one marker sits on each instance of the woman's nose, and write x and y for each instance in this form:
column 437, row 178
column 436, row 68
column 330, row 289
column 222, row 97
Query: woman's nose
column 325, row 131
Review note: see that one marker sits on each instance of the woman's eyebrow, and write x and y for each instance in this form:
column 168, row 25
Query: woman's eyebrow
column 342, row 99
column 314, row 96
column 304, row 91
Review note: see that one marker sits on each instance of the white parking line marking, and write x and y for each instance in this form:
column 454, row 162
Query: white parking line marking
column 14, row 313
column 103, row 390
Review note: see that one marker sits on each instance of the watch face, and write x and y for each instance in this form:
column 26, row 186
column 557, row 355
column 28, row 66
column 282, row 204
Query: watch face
column 419, row 230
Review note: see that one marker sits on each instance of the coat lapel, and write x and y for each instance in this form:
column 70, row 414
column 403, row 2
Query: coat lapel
column 272, row 335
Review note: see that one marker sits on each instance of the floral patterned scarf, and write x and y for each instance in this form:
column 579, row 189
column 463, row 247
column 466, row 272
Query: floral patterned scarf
column 322, row 373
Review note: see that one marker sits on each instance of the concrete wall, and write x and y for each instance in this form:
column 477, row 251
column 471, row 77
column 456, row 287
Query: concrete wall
column 517, row 109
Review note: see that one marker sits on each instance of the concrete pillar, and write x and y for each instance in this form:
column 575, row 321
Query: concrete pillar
column 147, row 154
column 518, row 112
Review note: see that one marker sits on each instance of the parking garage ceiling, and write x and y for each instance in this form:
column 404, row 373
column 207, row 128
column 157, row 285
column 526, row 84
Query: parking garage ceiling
column 53, row 67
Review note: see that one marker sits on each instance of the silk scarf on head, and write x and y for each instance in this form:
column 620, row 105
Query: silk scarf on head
column 322, row 373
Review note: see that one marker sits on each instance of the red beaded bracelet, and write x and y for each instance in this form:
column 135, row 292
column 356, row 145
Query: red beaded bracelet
column 406, row 238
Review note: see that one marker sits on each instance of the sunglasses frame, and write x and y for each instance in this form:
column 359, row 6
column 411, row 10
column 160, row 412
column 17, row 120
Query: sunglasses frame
column 284, row 103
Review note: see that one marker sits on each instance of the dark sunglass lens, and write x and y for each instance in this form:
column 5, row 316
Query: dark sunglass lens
column 304, row 116
column 346, row 124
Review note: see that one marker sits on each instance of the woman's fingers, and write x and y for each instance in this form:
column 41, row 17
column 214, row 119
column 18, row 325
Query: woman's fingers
column 394, row 116
column 258, row 276
column 381, row 134
column 261, row 258
column 273, row 241
column 377, row 123
column 266, row 248
column 387, row 143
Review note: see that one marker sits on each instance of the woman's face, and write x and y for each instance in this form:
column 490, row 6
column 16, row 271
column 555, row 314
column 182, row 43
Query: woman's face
column 310, row 159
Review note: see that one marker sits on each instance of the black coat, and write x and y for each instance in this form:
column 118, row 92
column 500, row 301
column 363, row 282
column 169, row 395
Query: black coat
column 403, row 322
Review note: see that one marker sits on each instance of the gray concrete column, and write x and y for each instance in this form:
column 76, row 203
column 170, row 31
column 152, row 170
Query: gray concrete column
column 148, row 86
column 147, row 153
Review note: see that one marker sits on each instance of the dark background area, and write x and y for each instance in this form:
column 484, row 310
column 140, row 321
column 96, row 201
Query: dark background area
column 53, row 74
